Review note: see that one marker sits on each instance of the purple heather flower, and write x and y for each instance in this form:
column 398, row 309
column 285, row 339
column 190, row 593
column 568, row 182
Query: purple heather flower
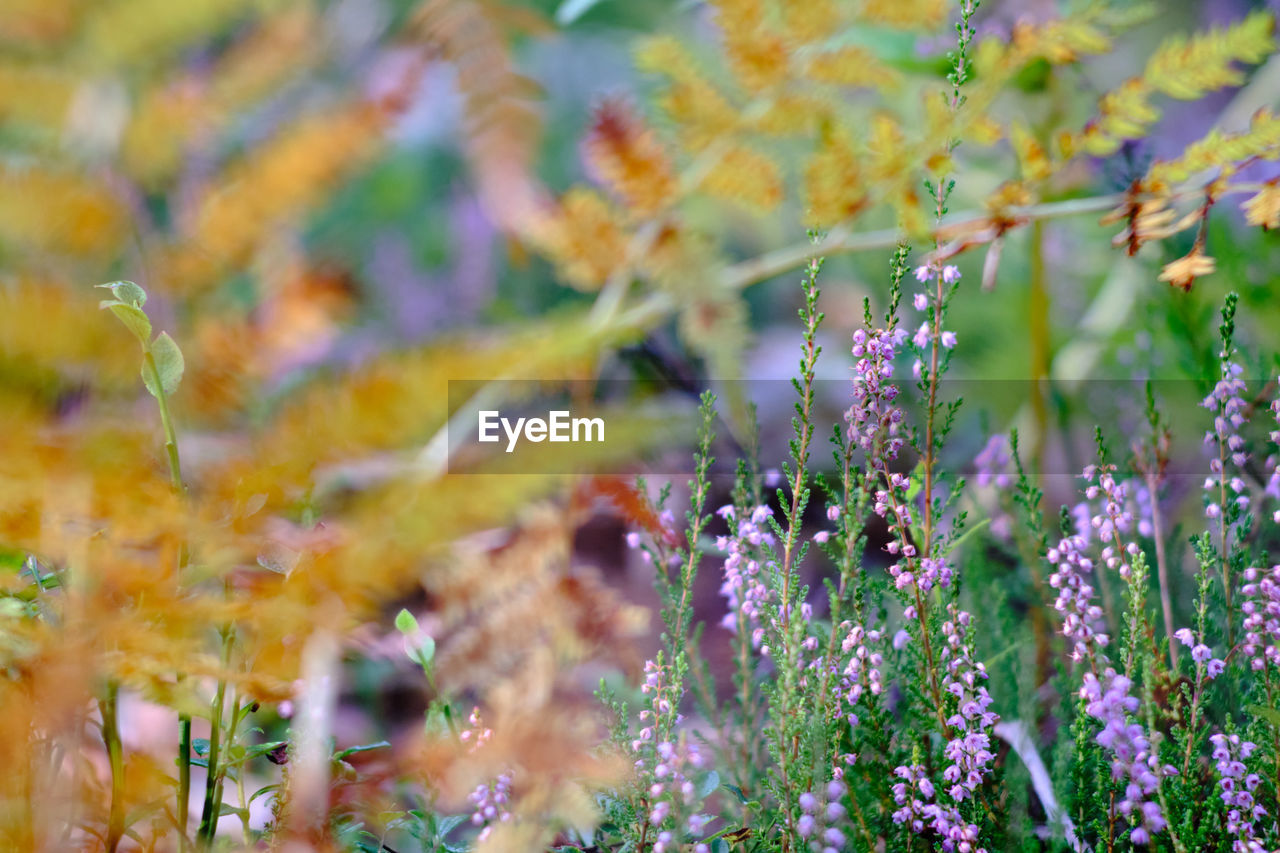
column 1261, row 608
column 489, row 802
column 821, row 537
column 948, row 339
column 923, row 272
column 833, row 513
column 745, row 567
column 1227, row 401
column 1273, row 464
column 1082, row 619
column 993, row 463
column 1133, row 762
column 633, row 540
column 950, row 274
column 970, row 747
column 920, row 301
column 1238, row 785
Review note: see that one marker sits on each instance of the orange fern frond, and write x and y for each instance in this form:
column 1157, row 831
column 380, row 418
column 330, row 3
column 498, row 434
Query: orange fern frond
column 628, row 158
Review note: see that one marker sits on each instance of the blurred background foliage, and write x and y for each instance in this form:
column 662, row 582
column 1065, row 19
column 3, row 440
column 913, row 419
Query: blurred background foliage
column 337, row 207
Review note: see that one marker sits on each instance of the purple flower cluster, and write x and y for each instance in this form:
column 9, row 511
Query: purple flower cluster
column 490, row 804
column 874, row 421
column 1273, row 464
column 861, row 674
column 664, row 702
column 1133, row 761
column 821, row 813
column 744, row 584
column 669, row 774
column 969, row 749
column 1227, row 400
column 994, row 465
column 1114, row 518
column 913, row 795
column 923, row 302
column 1261, row 616
column 1081, row 618
column 1230, row 754
column 1200, row 653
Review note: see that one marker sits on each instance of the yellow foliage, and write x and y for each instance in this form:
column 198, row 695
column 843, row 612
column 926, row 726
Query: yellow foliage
column 745, row 175
column 1263, row 208
column 1185, row 68
column 906, row 14
column 277, row 182
column 852, row 66
column 583, row 237
column 139, row 32
column 811, row 20
column 627, row 157
column 833, row 182
column 76, row 214
column 1221, row 151
column 756, row 51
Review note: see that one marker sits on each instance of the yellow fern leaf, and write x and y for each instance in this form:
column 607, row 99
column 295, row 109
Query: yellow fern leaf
column 745, row 175
column 906, row 14
column 757, row 53
column 702, row 112
column 833, row 182
column 852, row 66
column 627, row 157
column 1033, row 161
column 811, row 20
column 1221, row 151
column 584, row 238
column 1188, row 68
column 75, row 215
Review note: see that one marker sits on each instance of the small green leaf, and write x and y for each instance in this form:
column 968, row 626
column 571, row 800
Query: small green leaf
column 200, row 746
column 422, row 652
column 168, row 363
column 709, row 783
column 405, row 623
column 382, row 744
column 133, row 318
column 719, row 846
column 448, row 824
column 127, row 292
column 736, row 791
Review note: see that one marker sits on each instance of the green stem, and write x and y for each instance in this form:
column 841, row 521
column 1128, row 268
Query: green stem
column 212, row 805
column 109, row 707
column 175, row 479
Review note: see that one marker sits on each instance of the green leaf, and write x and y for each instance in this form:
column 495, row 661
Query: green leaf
column 200, row 746
column 265, row 789
column 127, row 292
column 406, row 623
column 448, row 824
column 133, row 318
column 423, row 653
column 709, row 783
column 382, row 744
column 737, row 792
column 168, row 363
column 1271, row 715
column 719, row 846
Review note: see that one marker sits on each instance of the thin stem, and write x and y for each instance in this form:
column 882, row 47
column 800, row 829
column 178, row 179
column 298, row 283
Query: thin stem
column 175, row 479
column 109, row 707
column 209, row 816
column 1162, row 566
